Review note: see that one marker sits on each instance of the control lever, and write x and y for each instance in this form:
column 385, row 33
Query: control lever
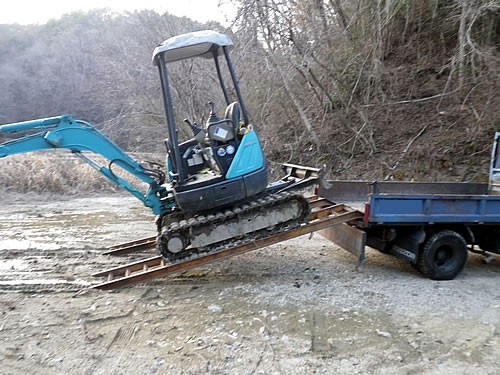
column 213, row 117
column 198, row 132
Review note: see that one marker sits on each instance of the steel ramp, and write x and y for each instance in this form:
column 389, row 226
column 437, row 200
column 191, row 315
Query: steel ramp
column 324, row 214
column 132, row 247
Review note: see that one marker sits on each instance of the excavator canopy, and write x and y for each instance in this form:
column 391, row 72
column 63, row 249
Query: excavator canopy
column 206, row 43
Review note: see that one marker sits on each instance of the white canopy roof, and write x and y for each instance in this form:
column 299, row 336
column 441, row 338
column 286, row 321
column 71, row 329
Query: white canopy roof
column 198, row 43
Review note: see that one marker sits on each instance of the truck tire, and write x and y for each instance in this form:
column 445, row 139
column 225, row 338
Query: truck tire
column 442, row 256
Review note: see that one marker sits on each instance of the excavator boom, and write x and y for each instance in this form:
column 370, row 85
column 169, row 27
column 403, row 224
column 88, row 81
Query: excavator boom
column 78, row 137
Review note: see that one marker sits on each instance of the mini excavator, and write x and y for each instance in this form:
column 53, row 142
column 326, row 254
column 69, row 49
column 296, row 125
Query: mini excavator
column 214, row 188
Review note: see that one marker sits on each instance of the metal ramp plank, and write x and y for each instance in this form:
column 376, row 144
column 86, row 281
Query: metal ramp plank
column 152, row 268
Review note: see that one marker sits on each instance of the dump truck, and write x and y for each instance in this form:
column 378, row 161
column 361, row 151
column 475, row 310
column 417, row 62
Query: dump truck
column 431, row 225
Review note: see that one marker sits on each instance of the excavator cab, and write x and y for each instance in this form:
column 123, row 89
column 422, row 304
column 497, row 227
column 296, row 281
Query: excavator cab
column 223, row 162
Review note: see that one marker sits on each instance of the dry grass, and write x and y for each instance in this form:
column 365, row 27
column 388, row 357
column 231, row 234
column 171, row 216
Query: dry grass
column 53, row 172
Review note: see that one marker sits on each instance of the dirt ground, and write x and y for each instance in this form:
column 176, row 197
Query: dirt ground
column 294, row 308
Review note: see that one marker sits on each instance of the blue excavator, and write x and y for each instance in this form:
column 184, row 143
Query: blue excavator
column 214, row 188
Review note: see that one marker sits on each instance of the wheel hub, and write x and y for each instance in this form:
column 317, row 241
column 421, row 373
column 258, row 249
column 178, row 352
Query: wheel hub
column 175, row 244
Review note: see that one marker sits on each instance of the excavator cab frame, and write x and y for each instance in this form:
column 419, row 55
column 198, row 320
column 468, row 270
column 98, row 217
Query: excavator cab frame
column 223, row 163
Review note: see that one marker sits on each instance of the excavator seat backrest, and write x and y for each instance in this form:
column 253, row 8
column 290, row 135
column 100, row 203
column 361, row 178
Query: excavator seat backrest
column 233, row 113
column 221, row 132
column 226, row 131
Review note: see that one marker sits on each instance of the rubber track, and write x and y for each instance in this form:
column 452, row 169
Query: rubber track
column 262, row 204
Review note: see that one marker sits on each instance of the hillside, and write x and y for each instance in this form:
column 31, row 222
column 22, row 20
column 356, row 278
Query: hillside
column 387, row 90
column 391, row 89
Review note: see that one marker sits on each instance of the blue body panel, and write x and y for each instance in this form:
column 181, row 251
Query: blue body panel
column 248, row 158
column 406, row 209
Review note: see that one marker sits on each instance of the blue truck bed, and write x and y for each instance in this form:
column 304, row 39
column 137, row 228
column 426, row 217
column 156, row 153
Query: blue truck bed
column 431, row 225
column 392, row 208
column 411, row 203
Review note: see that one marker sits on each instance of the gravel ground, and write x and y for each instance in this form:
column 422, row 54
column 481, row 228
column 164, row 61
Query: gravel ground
column 298, row 307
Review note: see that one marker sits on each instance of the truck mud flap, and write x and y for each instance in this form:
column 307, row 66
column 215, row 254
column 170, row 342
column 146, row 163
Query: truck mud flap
column 349, row 238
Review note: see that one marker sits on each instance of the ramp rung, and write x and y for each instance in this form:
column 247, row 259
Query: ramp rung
column 133, row 246
column 132, row 267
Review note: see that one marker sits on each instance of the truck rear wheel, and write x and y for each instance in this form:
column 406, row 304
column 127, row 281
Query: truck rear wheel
column 442, row 256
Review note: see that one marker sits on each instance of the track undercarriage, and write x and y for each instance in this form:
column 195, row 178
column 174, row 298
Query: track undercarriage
column 180, row 238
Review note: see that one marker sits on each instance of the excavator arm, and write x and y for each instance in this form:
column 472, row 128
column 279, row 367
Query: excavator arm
column 79, row 136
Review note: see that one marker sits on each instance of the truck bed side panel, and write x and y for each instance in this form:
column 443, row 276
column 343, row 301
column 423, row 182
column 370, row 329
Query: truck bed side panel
column 434, row 209
column 413, row 203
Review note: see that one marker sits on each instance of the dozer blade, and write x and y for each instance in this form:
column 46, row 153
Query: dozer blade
column 300, row 176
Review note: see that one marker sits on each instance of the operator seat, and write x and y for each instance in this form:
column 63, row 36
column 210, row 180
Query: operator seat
column 233, row 113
